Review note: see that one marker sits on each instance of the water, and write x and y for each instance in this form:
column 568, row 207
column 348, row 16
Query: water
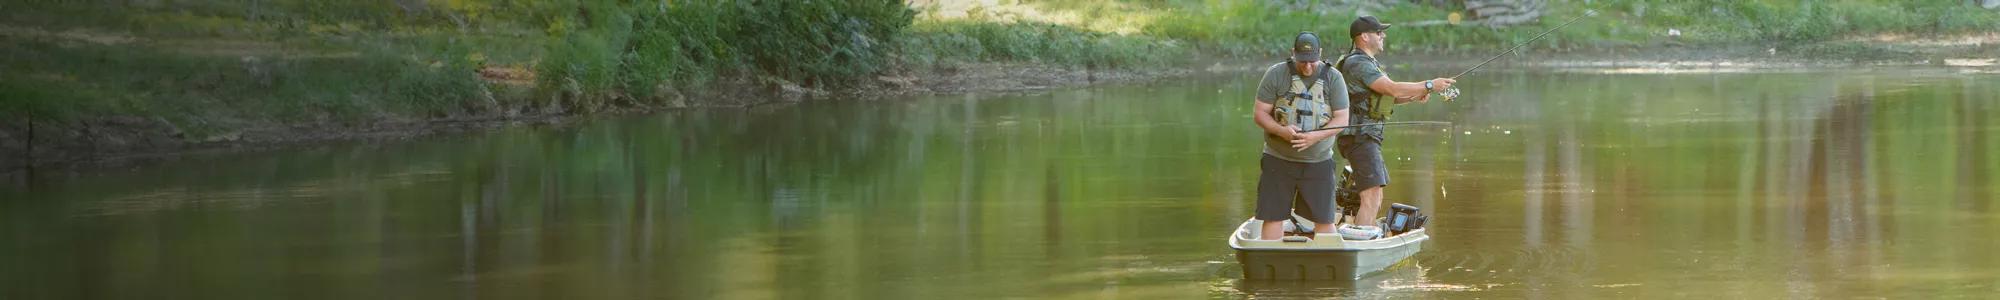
column 1824, row 184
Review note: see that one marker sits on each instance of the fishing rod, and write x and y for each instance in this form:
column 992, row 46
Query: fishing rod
column 1452, row 93
column 1383, row 124
column 1586, row 13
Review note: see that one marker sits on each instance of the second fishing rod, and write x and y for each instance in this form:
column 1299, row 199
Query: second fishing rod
column 1403, row 123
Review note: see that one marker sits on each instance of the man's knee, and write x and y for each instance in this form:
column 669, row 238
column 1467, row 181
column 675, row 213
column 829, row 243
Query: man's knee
column 1376, row 191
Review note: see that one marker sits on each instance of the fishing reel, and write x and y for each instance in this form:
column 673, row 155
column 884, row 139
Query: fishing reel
column 1449, row 94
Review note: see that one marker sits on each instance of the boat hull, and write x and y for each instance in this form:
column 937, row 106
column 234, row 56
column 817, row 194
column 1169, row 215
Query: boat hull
column 1325, row 257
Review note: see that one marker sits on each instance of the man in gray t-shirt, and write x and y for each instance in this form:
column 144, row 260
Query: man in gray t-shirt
column 1298, row 95
column 1373, row 95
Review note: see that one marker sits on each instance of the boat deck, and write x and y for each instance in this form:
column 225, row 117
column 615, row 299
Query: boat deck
column 1324, row 257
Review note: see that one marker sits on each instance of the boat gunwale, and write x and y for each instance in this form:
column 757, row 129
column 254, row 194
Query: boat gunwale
column 1399, row 241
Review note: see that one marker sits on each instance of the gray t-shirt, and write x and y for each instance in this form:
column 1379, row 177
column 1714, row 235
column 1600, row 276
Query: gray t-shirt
column 1277, row 83
column 1359, row 70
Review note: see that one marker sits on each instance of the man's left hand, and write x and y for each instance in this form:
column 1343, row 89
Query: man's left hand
column 1306, row 140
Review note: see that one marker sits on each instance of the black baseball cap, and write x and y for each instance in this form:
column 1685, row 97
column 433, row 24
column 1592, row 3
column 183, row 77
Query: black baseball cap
column 1365, row 24
column 1305, row 48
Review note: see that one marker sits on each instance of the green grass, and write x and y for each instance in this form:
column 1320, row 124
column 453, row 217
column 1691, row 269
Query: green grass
column 1790, row 21
column 219, row 65
column 932, row 43
column 618, row 53
column 352, row 62
column 247, row 82
column 1251, row 27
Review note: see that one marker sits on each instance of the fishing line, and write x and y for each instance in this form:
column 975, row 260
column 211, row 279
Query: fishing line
column 1452, row 93
column 1383, row 123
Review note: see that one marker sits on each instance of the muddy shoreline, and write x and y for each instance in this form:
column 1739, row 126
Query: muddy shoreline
column 116, row 141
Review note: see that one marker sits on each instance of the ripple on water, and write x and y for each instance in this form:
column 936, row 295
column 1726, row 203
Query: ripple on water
column 1468, row 265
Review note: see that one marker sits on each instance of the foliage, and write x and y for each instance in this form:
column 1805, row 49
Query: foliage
column 58, row 80
column 935, row 42
column 199, row 63
column 621, row 51
column 1720, row 21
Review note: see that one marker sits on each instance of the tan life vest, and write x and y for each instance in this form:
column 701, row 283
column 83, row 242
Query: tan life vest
column 1304, row 105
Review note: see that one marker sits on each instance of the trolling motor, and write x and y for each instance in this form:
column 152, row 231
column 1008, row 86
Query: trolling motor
column 1345, row 196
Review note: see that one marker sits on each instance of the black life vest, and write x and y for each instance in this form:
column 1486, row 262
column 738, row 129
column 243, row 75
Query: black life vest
column 1363, row 100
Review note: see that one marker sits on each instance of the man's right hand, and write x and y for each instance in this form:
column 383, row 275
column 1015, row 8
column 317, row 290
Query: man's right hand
column 1440, row 84
column 1304, row 140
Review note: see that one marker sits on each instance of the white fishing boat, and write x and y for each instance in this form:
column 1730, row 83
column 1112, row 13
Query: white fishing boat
column 1304, row 255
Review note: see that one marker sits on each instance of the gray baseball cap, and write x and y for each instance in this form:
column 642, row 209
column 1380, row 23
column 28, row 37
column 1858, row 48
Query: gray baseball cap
column 1305, row 48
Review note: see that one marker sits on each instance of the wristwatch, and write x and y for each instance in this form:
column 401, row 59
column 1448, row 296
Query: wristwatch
column 1427, row 86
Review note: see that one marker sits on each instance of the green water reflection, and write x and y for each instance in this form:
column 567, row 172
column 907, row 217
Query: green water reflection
column 1576, row 185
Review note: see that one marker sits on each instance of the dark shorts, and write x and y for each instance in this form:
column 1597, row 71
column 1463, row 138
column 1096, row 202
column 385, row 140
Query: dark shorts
column 1365, row 154
column 1284, row 184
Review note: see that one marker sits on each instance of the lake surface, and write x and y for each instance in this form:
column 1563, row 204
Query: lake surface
column 1550, row 184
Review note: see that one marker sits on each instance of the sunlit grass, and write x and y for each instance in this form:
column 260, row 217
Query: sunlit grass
column 1117, row 17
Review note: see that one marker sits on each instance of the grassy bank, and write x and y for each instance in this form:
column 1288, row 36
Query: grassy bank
column 221, row 66
column 124, row 77
column 189, row 72
column 1250, row 27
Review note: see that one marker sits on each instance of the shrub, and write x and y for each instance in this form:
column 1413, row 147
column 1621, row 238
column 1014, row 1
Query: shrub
column 635, row 50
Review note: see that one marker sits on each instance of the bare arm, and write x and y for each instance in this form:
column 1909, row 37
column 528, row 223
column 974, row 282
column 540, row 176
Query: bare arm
column 1262, row 115
column 1398, row 90
column 1406, row 92
column 1339, row 118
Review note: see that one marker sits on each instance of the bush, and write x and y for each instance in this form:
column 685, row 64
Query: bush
column 442, row 82
column 620, row 50
column 1248, row 27
column 816, row 41
column 935, row 42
